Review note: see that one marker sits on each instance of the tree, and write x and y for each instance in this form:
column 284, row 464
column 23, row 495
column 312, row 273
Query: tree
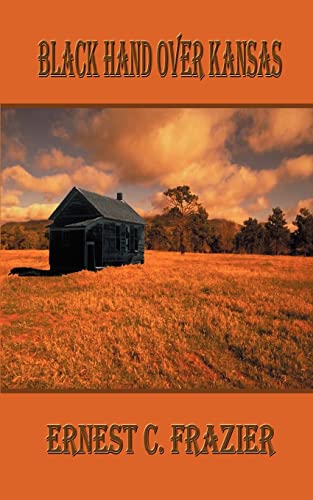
column 24, row 235
column 156, row 236
column 251, row 237
column 302, row 238
column 222, row 235
column 200, row 233
column 277, row 233
column 182, row 203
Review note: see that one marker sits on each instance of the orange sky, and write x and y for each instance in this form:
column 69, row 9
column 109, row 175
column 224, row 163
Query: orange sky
column 241, row 162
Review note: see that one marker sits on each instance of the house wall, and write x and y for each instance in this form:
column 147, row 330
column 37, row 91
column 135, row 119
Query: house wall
column 119, row 244
column 77, row 209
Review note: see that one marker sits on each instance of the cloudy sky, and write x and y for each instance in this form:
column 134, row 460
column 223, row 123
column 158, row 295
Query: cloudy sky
column 241, row 162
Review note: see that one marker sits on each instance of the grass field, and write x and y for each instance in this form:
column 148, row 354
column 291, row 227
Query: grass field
column 192, row 322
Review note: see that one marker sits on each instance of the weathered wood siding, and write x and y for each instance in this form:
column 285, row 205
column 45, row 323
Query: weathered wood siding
column 117, row 242
column 77, row 209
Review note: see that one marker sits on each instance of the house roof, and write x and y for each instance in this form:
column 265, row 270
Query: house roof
column 108, row 207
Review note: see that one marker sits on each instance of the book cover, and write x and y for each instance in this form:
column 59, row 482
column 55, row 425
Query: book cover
column 162, row 343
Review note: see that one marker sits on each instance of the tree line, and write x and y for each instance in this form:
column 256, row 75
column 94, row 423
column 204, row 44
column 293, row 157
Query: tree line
column 25, row 235
column 184, row 226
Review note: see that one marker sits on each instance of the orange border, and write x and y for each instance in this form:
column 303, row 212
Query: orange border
column 26, row 468
column 23, row 26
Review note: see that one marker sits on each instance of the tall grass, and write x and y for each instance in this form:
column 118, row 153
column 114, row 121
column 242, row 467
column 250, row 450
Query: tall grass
column 191, row 322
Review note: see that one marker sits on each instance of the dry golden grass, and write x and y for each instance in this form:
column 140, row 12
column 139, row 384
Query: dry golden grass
column 193, row 322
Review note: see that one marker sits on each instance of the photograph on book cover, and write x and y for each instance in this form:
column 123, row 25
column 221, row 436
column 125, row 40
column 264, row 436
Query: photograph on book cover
column 157, row 248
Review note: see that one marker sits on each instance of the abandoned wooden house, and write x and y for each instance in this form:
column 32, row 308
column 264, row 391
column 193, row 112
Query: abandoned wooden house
column 90, row 231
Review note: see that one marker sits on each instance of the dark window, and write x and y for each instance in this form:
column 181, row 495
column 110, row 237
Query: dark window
column 133, row 239
column 127, row 238
column 111, row 235
column 118, row 237
column 136, row 239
